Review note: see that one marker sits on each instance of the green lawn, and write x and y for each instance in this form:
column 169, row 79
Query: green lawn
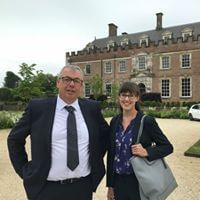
column 194, row 150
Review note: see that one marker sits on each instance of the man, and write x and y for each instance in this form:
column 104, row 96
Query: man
column 47, row 176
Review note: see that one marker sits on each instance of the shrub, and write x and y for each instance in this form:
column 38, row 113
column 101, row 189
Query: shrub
column 8, row 119
column 151, row 96
column 175, row 114
column 153, row 113
column 110, row 112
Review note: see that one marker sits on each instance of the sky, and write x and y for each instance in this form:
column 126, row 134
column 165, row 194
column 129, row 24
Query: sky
column 42, row 31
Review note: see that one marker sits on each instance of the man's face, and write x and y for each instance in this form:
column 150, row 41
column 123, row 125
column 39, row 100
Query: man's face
column 69, row 85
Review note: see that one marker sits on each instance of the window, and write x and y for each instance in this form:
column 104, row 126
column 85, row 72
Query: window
column 185, row 60
column 165, row 88
column 108, row 89
column 141, row 62
column 108, row 67
column 186, row 33
column 89, row 46
column 110, row 43
column 185, row 36
column 124, row 42
column 185, row 87
column 165, row 62
column 166, row 36
column 144, row 39
column 122, row 66
column 87, row 89
column 88, row 69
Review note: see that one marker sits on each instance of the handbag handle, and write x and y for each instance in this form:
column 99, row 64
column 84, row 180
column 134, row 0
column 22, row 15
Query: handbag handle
column 140, row 133
column 140, row 129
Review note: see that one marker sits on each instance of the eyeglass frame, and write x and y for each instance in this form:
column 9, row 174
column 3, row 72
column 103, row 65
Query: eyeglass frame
column 124, row 96
column 67, row 80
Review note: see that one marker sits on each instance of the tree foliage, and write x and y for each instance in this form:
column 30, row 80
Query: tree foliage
column 6, row 94
column 11, row 80
column 34, row 83
column 114, row 92
column 96, row 86
column 46, row 83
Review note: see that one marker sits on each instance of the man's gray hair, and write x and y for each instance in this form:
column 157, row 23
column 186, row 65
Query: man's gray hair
column 72, row 67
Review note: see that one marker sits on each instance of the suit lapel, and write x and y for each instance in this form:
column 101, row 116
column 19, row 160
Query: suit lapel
column 86, row 115
column 49, row 118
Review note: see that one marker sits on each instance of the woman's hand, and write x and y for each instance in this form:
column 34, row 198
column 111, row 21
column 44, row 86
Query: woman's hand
column 110, row 194
column 138, row 150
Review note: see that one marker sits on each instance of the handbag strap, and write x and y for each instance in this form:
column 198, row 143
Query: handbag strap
column 140, row 129
column 140, row 133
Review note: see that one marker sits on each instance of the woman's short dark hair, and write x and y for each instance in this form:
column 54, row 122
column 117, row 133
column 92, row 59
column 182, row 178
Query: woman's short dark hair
column 131, row 88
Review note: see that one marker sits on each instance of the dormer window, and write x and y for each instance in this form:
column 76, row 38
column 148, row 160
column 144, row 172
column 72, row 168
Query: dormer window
column 90, row 46
column 186, row 33
column 144, row 39
column 166, row 36
column 110, row 43
column 124, row 41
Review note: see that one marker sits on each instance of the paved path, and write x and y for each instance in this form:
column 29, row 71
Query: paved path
column 182, row 134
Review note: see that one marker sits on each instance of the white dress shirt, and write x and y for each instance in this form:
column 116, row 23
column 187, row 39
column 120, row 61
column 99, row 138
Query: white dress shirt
column 59, row 169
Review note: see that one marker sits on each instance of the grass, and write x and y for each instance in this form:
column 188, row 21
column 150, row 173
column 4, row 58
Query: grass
column 194, row 150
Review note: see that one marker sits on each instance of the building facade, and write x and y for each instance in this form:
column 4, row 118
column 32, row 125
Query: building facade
column 163, row 60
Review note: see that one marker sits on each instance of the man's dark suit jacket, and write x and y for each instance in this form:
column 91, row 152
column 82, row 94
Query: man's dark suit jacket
column 37, row 121
column 151, row 134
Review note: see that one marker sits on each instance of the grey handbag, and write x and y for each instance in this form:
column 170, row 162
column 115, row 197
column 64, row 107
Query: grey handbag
column 156, row 181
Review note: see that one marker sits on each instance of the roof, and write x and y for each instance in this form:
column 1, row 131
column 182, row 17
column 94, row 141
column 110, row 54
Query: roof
column 153, row 35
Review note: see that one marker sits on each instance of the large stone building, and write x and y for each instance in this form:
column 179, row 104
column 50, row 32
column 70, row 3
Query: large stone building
column 164, row 60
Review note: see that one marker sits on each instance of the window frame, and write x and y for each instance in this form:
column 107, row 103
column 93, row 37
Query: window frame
column 187, row 90
column 108, row 94
column 122, row 66
column 182, row 61
column 162, row 62
column 106, row 67
column 167, row 35
column 144, row 63
column 87, row 88
column 186, row 32
column 164, row 89
column 87, row 65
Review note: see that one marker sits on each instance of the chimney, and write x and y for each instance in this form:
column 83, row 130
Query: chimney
column 159, row 21
column 124, row 33
column 112, row 30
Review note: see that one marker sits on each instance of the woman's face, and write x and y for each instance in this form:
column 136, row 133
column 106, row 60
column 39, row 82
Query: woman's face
column 127, row 101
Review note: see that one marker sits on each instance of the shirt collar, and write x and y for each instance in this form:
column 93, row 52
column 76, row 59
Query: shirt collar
column 61, row 104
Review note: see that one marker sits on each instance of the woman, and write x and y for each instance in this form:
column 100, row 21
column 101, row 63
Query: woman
column 121, row 180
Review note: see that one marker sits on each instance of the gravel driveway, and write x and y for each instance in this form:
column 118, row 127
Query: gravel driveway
column 181, row 133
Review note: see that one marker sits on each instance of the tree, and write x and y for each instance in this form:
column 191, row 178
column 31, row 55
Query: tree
column 46, row 83
column 114, row 93
column 11, row 80
column 27, row 88
column 96, row 86
column 6, row 94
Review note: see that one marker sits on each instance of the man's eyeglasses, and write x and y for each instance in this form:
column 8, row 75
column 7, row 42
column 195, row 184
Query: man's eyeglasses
column 129, row 96
column 67, row 80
